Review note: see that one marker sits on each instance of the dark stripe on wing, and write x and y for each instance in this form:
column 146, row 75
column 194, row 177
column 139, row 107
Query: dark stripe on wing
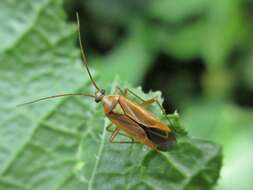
column 163, row 140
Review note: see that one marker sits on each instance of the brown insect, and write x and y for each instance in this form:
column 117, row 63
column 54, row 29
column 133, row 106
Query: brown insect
column 137, row 123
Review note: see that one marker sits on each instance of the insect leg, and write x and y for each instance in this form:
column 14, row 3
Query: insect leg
column 109, row 129
column 119, row 90
column 115, row 133
column 144, row 103
column 134, row 94
column 173, row 116
column 125, row 92
column 154, row 100
column 148, row 102
column 151, row 101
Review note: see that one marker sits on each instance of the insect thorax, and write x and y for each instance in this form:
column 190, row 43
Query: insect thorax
column 110, row 103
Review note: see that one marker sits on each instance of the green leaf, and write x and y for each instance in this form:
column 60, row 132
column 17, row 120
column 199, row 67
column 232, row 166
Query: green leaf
column 62, row 144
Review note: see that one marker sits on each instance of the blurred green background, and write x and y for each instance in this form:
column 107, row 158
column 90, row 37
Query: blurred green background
column 198, row 53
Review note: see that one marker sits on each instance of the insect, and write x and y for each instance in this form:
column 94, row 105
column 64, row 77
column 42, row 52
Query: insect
column 130, row 117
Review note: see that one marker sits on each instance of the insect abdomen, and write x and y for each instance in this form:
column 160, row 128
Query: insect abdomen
column 162, row 139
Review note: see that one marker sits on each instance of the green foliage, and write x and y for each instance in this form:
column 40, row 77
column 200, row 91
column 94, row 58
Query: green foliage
column 62, row 144
column 207, row 29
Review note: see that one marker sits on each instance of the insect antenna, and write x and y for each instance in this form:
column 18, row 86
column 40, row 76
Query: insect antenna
column 56, row 96
column 85, row 62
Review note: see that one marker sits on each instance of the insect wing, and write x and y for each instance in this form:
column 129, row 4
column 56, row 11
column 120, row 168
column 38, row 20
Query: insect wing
column 131, row 128
column 141, row 115
column 163, row 141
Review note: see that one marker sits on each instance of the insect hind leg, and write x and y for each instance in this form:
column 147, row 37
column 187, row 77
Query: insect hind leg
column 155, row 100
column 109, row 129
column 115, row 133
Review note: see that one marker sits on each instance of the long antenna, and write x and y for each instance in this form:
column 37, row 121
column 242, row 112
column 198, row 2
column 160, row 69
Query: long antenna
column 85, row 62
column 56, row 96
